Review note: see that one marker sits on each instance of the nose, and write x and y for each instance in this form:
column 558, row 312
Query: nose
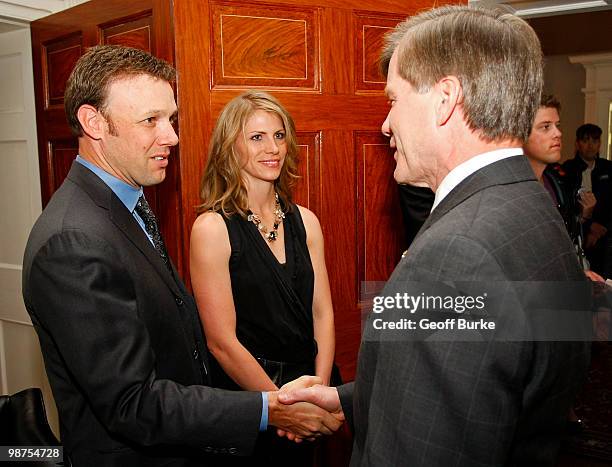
column 169, row 136
column 272, row 146
column 386, row 128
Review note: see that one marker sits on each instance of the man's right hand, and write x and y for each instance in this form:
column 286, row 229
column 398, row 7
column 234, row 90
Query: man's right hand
column 301, row 420
column 302, row 389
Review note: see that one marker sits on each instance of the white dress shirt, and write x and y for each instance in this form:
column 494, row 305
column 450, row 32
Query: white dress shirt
column 467, row 168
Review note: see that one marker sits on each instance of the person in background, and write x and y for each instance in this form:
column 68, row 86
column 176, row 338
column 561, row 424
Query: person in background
column 543, row 149
column 587, row 172
column 415, row 204
column 257, row 263
column 119, row 333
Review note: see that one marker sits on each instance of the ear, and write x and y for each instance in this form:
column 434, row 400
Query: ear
column 449, row 94
column 92, row 121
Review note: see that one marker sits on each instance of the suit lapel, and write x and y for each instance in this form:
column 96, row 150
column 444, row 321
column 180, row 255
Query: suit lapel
column 125, row 221
column 104, row 197
column 510, row 170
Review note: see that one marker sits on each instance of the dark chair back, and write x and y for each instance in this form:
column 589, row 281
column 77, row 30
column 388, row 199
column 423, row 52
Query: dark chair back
column 23, row 422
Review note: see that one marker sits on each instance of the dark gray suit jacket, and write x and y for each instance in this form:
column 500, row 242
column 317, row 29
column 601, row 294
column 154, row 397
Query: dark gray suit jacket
column 471, row 404
column 121, row 339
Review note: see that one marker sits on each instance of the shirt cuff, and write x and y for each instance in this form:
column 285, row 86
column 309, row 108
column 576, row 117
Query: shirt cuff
column 263, row 425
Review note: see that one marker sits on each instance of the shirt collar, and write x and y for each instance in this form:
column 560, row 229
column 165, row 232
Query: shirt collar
column 126, row 193
column 467, row 168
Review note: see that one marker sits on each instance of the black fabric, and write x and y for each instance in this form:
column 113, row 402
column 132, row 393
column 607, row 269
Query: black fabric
column 23, row 422
column 146, row 214
column 599, row 256
column 122, row 342
column 415, row 203
column 566, row 202
column 273, row 302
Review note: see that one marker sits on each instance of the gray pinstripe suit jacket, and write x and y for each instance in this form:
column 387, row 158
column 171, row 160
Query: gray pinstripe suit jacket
column 473, row 403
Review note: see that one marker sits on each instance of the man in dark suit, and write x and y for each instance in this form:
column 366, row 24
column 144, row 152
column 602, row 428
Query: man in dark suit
column 120, row 334
column 588, row 173
column 464, row 85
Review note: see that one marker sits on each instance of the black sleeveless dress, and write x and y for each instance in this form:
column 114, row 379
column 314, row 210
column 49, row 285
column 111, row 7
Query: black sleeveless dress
column 273, row 301
column 273, row 304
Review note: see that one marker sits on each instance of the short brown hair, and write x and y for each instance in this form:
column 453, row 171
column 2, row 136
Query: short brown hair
column 550, row 102
column 98, row 68
column 222, row 188
column 495, row 55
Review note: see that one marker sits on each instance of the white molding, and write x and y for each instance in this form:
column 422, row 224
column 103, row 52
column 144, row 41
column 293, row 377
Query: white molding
column 3, row 376
column 17, row 321
column 597, row 93
column 592, row 59
column 31, row 10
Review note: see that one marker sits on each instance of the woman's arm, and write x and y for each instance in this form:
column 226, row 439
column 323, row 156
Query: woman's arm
column 322, row 309
column 209, row 262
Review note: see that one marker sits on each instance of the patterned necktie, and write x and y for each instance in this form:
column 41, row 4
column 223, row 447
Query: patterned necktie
column 144, row 211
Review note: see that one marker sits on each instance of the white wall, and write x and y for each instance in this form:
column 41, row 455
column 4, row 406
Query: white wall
column 566, row 81
column 21, row 364
column 598, row 93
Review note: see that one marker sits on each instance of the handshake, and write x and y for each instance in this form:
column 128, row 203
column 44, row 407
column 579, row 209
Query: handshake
column 305, row 409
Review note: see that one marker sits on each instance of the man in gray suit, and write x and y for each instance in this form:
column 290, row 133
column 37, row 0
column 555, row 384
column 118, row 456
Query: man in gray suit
column 120, row 334
column 464, row 85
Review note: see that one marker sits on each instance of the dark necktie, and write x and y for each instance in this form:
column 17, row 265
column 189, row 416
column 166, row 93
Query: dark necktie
column 144, row 211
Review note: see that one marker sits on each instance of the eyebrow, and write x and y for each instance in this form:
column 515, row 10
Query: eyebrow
column 263, row 131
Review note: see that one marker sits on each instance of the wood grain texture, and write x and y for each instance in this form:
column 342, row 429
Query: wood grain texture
column 369, row 31
column 381, row 236
column 192, row 43
column 59, row 57
column 264, row 46
column 132, row 32
column 307, row 191
column 60, row 155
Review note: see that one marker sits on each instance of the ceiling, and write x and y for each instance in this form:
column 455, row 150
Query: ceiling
column 538, row 8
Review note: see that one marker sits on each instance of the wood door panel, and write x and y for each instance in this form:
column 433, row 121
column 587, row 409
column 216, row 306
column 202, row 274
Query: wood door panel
column 131, row 32
column 59, row 58
column 315, row 111
column 307, row 191
column 339, row 225
column 267, row 46
column 369, row 32
column 60, row 154
column 381, row 235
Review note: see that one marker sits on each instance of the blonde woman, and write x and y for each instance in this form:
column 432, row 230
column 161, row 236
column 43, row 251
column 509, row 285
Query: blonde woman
column 257, row 262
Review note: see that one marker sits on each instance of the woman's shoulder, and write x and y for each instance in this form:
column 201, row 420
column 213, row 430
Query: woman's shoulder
column 209, row 223
column 310, row 222
column 309, row 218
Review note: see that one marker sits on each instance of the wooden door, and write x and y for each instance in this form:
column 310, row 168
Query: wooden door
column 319, row 57
column 57, row 43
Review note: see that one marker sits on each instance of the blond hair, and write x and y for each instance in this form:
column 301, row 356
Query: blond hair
column 222, row 188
